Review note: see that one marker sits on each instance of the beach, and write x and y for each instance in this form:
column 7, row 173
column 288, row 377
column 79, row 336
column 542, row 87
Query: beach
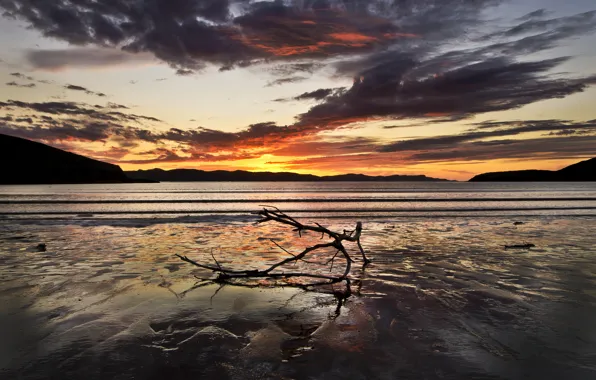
column 442, row 299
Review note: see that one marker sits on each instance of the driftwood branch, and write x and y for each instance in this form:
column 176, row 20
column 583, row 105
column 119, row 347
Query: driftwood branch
column 273, row 214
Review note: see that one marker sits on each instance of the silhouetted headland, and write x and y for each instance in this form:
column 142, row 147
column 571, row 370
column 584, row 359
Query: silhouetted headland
column 579, row 172
column 192, row 175
column 29, row 162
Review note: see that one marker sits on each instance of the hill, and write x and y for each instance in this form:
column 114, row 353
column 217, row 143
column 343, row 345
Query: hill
column 192, row 175
column 29, row 162
column 583, row 171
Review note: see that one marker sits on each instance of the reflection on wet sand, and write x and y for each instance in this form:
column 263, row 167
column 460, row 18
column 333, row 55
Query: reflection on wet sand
column 442, row 299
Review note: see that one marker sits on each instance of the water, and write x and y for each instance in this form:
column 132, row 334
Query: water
column 359, row 199
column 443, row 298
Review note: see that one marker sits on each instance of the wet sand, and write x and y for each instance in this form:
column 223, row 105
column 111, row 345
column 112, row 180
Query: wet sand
column 442, row 299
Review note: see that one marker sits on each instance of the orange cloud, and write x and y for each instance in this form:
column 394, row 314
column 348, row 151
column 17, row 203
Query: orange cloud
column 351, row 37
column 285, row 51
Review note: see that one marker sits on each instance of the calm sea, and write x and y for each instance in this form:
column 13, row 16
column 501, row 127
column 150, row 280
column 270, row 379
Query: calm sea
column 357, row 199
column 442, row 299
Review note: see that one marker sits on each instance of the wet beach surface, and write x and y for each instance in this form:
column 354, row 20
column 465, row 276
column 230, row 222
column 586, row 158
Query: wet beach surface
column 442, row 299
column 107, row 298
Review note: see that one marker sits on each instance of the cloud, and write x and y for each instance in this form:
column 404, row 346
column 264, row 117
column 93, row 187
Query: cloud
column 391, row 89
column 327, row 146
column 417, row 82
column 72, row 112
column 287, row 80
column 188, row 34
column 404, row 56
column 184, row 72
column 84, row 58
column 164, row 155
column 537, row 14
column 319, row 94
column 489, row 130
column 15, row 84
column 64, row 123
column 83, row 89
column 571, row 147
column 116, row 106
column 75, row 88
column 22, row 76
column 554, row 29
column 288, row 69
column 541, row 148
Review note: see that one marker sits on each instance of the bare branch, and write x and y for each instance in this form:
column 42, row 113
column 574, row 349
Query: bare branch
column 274, row 214
column 214, row 259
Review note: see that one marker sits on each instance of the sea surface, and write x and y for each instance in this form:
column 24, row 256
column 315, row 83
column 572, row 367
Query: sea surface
column 442, row 299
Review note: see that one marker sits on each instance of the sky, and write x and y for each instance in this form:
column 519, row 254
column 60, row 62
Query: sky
column 445, row 88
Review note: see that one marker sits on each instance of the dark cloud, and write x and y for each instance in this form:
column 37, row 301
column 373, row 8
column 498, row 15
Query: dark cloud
column 79, row 110
column 413, row 82
column 490, row 130
column 21, row 76
column 15, row 84
column 83, row 58
column 75, row 88
column 117, row 106
column 83, row 122
column 388, row 90
column 165, row 155
column 281, row 81
column 541, row 148
column 555, row 29
column 566, row 132
column 188, row 34
column 83, row 89
column 288, row 69
column 327, row 146
column 258, row 135
column 162, row 155
column 571, row 147
column 319, row 94
column 537, row 14
column 395, row 50
column 184, row 72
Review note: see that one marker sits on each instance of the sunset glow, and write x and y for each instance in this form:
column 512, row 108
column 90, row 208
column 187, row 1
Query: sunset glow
column 266, row 86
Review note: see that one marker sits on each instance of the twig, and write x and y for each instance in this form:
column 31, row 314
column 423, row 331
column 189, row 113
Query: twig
column 221, row 286
column 214, row 259
column 332, row 260
column 282, row 248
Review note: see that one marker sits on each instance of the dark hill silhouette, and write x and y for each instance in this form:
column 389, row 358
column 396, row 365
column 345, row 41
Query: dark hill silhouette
column 192, row 175
column 579, row 172
column 29, row 162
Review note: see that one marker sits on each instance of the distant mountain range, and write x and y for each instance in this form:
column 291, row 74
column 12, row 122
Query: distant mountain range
column 583, row 171
column 192, row 175
column 29, row 162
